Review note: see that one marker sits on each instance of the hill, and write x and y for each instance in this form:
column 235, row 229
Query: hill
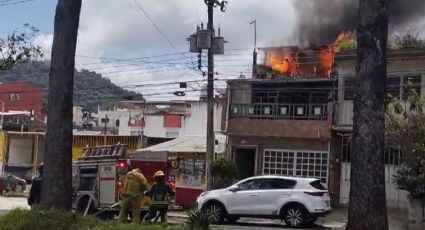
column 90, row 88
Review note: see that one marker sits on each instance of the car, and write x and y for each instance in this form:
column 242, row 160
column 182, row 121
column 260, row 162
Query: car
column 297, row 201
column 12, row 183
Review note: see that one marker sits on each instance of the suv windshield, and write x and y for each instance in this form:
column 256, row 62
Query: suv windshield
column 317, row 185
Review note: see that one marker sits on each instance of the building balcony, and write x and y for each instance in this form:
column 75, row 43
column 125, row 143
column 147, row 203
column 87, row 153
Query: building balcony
column 280, row 120
column 280, row 111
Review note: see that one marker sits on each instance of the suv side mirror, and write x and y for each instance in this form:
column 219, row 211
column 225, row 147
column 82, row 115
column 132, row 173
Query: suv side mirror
column 234, row 188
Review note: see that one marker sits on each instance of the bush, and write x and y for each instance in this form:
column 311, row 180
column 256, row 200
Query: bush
column 197, row 220
column 19, row 219
column 224, row 173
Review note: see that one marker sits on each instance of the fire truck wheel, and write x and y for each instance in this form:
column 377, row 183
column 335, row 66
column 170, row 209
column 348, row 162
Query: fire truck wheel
column 82, row 205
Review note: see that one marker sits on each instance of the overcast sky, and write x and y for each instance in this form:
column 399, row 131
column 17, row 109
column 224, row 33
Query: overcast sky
column 118, row 29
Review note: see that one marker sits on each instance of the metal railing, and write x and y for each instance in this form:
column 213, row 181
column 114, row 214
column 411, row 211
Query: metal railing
column 280, row 111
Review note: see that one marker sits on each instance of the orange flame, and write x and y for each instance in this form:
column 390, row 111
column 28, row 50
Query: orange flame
column 310, row 62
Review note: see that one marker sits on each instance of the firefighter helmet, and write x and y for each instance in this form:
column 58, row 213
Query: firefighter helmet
column 158, row 174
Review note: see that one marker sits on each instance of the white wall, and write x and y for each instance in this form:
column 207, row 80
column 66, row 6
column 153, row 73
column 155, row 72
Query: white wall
column 195, row 124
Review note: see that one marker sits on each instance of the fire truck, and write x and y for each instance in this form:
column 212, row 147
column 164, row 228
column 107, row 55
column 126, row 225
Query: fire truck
column 99, row 177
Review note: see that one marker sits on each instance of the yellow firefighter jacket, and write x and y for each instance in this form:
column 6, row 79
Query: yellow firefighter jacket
column 134, row 183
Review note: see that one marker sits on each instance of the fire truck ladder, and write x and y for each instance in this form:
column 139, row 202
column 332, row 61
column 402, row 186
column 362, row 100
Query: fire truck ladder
column 106, row 151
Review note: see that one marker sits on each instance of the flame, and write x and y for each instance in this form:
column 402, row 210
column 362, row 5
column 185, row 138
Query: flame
column 316, row 61
column 343, row 37
column 282, row 61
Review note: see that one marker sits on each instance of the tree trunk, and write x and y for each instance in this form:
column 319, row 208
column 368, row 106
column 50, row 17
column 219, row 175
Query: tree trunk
column 367, row 207
column 57, row 178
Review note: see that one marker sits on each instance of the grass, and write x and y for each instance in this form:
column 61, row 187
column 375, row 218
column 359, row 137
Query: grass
column 19, row 219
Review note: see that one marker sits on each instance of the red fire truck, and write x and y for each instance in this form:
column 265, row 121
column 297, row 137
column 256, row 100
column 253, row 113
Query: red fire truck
column 99, row 175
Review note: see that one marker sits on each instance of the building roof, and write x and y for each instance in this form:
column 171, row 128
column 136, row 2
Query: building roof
column 19, row 86
column 187, row 144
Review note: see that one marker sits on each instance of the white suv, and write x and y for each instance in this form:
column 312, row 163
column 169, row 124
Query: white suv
column 297, row 201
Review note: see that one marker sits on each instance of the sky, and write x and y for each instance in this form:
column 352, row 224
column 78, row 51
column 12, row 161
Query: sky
column 118, row 40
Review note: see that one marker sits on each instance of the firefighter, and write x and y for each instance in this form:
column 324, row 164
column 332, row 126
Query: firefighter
column 160, row 193
column 135, row 185
column 35, row 192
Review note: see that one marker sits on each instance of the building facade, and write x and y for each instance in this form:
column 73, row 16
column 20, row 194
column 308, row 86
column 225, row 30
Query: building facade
column 281, row 127
column 303, row 127
column 404, row 72
column 22, row 97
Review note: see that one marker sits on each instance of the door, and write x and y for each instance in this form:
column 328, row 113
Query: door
column 107, row 183
column 274, row 193
column 245, row 161
column 246, row 201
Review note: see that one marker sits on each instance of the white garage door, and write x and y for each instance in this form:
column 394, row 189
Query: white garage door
column 296, row 163
column 395, row 197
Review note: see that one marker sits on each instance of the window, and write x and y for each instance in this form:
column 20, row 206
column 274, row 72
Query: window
column 117, row 122
column 392, row 155
column 249, row 185
column 393, row 86
column 349, row 84
column 296, row 163
column 14, row 97
column 317, row 185
column 346, row 150
column 317, row 111
column 280, row 184
column 235, row 110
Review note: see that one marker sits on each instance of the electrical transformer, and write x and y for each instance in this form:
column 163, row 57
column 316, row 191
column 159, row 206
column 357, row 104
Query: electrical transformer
column 204, row 39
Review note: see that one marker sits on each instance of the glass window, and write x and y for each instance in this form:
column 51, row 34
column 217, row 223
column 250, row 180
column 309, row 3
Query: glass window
column 349, row 84
column 280, row 184
column 250, row 185
column 14, row 97
column 393, row 86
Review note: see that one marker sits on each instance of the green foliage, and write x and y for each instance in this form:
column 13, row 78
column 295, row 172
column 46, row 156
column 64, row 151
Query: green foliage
column 19, row 219
column 224, row 172
column 350, row 44
column 396, row 42
column 409, row 40
column 90, row 88
column 18, row 47
column 405, row 127
column 197, row 220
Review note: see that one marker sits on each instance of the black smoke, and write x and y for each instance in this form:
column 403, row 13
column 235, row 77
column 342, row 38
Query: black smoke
column 320, row 21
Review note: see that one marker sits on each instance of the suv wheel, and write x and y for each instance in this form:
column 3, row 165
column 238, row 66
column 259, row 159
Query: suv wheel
column 216, row 213
column 294, row 216
column 19, row 188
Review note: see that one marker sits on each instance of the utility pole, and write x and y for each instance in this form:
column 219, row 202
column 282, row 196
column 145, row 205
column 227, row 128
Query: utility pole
column 254, row 55
column 201, row 40
column 210, row 99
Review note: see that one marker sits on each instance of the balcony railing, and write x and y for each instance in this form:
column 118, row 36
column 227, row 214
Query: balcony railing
column 280, row 111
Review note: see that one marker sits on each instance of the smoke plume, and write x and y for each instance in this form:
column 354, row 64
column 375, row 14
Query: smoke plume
column 320, row 21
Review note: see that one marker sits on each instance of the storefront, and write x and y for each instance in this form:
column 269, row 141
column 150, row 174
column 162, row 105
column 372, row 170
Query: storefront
column 186, row 157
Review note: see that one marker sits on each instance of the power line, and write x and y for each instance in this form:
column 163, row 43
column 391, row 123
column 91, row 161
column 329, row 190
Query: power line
column 10, row 3
column 154, row 24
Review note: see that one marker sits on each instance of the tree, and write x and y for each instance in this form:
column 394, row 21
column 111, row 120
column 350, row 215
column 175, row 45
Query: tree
column 18, row 47
column 367, row 206
column 57, row 180
column 405, row 128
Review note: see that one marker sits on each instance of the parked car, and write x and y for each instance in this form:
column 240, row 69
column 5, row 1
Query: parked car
column 297, row 201
column 13, row 183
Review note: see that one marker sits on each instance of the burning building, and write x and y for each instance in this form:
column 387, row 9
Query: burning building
column 298, row 62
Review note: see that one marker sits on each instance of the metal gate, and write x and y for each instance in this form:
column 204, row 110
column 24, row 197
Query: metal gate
column 296, row 163
column 393, row 157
